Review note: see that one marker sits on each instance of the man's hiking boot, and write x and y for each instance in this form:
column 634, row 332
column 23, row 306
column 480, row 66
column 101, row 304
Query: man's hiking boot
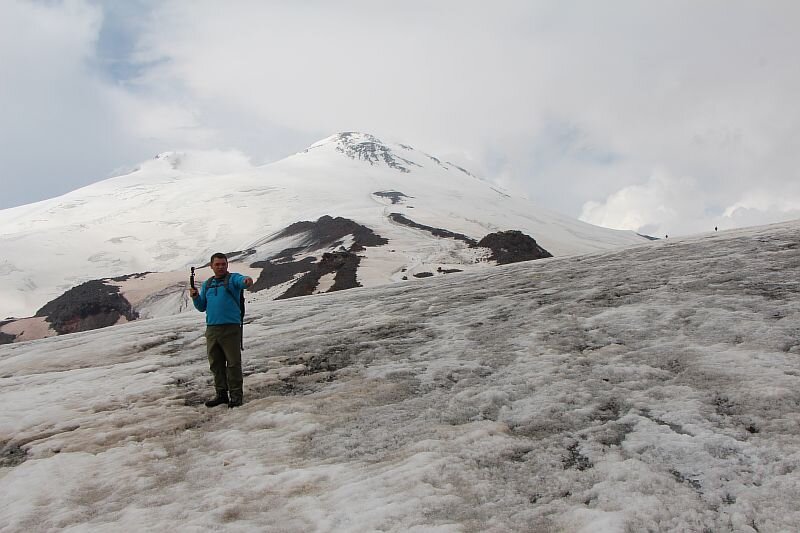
column 221, row 398
column 235, row 401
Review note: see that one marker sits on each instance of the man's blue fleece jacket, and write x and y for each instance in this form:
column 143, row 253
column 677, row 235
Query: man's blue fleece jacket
column 221, row 305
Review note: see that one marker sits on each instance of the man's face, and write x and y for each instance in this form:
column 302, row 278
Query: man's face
column 220, row 267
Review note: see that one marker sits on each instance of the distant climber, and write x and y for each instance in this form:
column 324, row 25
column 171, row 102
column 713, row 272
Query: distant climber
column 221, row 299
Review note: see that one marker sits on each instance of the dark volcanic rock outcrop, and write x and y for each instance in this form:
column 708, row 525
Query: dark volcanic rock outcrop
column 344, row 264
column 506, row 246
column 90, row 305
column 329, row 231
column 437, row 232
column 6, row 338
column 276, row 273
column 395, row 196
column 512, row 247
column 127, row 277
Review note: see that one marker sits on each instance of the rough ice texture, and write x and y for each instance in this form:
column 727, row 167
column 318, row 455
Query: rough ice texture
column 648, row 389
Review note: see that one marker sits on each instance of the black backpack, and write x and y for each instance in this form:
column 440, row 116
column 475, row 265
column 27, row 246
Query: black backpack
column 239, row 302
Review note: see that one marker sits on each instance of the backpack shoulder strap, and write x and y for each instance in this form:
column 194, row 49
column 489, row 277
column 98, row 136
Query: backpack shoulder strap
column 230, row 292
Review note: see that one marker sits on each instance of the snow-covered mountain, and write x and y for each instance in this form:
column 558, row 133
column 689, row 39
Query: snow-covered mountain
column 654, row 388
column 398, row 211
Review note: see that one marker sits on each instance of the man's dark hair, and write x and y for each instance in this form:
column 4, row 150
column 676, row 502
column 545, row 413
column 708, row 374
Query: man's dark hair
column 218, row 255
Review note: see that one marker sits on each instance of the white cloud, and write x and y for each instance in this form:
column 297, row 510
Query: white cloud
column 669, row 205
column 62, row 126
column 762, row 207
column 663, row 204
column 213, row 161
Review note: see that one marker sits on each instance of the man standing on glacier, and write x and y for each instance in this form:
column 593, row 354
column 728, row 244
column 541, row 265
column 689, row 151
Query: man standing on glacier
column 221, row 299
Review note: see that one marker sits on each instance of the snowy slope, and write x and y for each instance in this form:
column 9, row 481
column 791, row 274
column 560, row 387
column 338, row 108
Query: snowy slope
column 177, row 209
column 654, row 388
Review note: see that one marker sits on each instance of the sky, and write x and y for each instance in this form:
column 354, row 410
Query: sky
column 660, row 117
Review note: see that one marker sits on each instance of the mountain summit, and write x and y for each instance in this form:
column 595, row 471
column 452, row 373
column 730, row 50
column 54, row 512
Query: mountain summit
column 368, row 148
